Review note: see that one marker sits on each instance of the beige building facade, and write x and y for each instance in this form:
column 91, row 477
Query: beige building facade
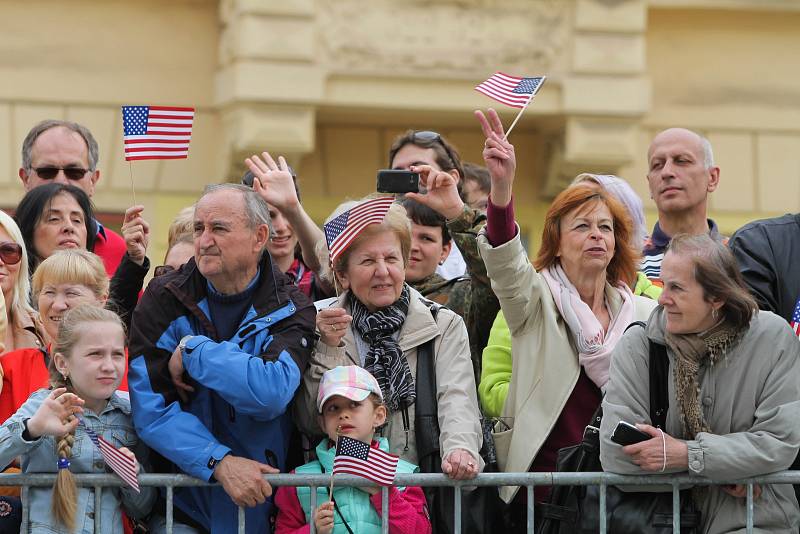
column 329, row 83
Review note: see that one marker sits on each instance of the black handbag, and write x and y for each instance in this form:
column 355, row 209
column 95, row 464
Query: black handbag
column 576, row 509
column 480, row 508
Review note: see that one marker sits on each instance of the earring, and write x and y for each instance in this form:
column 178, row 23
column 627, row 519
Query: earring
column 715, row 314
column 441, row 262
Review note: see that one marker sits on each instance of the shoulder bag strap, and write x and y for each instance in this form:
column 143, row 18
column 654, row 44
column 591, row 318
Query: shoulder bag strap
column 426, row 410
column 659, row 376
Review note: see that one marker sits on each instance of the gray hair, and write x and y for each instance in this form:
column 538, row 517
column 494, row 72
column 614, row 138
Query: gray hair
column 40, row 128
column 256, row 210
column 708, row 152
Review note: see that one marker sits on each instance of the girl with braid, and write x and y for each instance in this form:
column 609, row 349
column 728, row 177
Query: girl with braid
column 49, row 429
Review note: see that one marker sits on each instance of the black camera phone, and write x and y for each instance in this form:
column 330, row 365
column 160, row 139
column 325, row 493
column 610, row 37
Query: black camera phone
column 397, row 181
column 627, row 434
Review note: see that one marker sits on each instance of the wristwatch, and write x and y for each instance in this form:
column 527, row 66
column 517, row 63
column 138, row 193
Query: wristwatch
column 182, row 344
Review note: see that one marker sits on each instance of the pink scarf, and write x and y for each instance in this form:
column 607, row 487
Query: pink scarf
column 594, row 345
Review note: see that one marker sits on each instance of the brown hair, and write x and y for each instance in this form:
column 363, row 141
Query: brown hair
column 717, row 272
column 622, row 268
column 74, row 323
column 446, row 155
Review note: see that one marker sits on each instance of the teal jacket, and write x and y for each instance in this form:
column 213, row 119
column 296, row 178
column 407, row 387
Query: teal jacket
column 353, row 503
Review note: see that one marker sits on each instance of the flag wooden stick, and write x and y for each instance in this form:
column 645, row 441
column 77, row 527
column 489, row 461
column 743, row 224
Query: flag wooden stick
column 517, row 117
column 330, row 490
column 130, row 167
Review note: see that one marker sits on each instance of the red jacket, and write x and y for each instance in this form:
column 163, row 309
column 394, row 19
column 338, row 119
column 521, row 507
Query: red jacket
column 24, row 371
column 110, row 246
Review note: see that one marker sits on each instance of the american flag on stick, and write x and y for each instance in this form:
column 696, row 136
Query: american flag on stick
column 354, row 457
column 511, row 90
column 122, row 465
column 156, row 132
column 341, row 231
column 795, row 322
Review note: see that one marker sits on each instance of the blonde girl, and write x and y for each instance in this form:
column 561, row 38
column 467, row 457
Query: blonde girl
column 48, row 429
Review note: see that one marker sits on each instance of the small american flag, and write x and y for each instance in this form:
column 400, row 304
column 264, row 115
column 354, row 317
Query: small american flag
column 511, row 90
column 156, row 132
column 355, row 457
column 119, row 463
column 341, row 231
column 795, row 322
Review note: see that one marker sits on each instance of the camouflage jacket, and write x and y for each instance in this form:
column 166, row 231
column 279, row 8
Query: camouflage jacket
column 469, row 296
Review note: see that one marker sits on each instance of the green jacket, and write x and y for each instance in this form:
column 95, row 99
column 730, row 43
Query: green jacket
column 493, row 386
column 469, row 296
column 353, row 503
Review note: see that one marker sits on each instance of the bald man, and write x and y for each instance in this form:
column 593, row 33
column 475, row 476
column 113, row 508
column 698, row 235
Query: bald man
column 681, row 174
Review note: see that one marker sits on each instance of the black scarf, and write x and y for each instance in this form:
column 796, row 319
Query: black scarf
column 384, row 358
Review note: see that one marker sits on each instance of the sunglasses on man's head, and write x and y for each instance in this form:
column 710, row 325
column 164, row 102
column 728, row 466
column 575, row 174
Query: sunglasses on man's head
column 10, row 253
column 428, row 136
column 72, row 173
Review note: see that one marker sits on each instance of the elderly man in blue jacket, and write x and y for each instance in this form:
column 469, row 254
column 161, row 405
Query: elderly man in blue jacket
column 217, row 350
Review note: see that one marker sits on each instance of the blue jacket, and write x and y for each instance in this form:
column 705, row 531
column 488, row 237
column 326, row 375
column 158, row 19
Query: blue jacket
column 243, row 385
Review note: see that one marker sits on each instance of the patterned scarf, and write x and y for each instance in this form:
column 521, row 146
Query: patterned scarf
column 691, row 352
column 384, row 359
column 594, row 345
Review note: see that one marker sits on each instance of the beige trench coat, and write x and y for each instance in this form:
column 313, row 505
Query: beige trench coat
column 459, row 416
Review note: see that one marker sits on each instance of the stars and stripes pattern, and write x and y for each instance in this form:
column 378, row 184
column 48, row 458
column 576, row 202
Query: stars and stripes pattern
column 354, row 457
column 511, row 90
column 156, row 132
column 343, row 229
column 795, row 322
column 121, row 464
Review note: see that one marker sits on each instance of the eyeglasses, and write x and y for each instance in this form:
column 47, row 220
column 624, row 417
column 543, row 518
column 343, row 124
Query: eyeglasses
column 428, row 136
column 10, row 253
column 72, row 173
column 162, row 270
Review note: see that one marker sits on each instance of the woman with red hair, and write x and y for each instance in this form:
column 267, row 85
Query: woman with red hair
column 566, row 312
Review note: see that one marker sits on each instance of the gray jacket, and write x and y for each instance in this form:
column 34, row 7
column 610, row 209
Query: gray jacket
column 39, row 456
column 751, row 400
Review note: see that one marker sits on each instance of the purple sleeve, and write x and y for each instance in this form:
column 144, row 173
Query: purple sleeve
column 500, row 225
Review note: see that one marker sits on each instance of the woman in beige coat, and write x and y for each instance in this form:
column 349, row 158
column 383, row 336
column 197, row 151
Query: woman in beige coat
column 379, row 322
column 734, row 391
column 565, row 312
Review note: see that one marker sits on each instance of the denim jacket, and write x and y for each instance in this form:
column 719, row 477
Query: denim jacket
column 39, row 456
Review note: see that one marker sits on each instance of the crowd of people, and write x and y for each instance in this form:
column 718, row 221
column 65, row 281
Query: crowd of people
column 433, row 338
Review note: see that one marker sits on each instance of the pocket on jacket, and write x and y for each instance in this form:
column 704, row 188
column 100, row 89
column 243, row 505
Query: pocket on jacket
column 502, row 442
column 121, row 438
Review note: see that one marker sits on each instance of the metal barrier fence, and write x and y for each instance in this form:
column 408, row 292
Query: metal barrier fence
column 525, row 480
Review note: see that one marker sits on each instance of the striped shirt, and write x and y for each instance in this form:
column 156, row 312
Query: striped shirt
column 656, row 245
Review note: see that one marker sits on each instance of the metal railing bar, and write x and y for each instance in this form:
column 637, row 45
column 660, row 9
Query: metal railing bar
column 603, row 518
column 531, row 511
column 676, row 509
column 26, row 511
column 241, row 520
column 313, row 502
column 98, row 509
column 749, row 508
column 416, row 479
column 385, row 510
column 170, row 511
